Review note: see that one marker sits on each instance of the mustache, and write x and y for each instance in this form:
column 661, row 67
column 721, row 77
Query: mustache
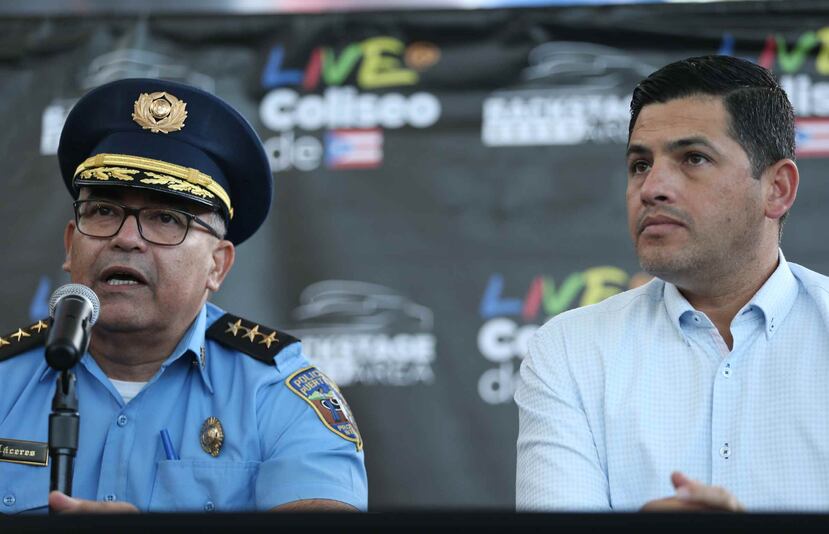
column 666, row 211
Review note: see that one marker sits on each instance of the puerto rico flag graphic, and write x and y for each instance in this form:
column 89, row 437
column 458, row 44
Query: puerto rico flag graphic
column 812, row 137
column 354, row 148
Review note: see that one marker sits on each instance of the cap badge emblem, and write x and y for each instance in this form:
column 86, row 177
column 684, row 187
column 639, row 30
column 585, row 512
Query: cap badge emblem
column 159, row 112
column 212, row 436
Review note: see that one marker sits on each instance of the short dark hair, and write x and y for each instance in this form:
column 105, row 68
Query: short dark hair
column 761, row 116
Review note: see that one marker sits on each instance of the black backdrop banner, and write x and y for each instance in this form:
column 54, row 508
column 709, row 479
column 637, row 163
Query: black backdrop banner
column 446, row 181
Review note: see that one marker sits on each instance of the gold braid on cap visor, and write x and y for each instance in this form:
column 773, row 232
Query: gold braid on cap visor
column 119, row 167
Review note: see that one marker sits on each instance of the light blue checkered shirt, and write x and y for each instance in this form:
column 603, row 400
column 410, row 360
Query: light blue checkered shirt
column 616, row 396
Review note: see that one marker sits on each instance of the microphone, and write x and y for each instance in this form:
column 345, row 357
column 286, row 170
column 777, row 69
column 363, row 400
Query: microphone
column 74, row 308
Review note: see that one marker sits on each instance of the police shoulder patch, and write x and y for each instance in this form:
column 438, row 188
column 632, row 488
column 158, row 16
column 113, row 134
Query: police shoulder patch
column 325, row 398
column 255, row 340
column 23, row 339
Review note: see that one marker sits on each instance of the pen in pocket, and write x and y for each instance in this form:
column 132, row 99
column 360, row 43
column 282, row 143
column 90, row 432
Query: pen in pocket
column 169, row 451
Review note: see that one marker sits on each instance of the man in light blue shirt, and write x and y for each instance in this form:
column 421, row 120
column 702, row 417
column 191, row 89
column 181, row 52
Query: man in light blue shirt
column 704, row 389
column 183, row 407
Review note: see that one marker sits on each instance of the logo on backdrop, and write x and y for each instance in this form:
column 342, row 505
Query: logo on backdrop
column 798, row 75
column 336, row 92
column 362, row 333
column 510, row 321
column 570, row 93
column 117, row 65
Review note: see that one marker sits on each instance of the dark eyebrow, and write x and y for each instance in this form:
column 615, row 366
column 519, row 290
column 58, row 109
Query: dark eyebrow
column 636, row 149
column 690, row 141
column 673, row 146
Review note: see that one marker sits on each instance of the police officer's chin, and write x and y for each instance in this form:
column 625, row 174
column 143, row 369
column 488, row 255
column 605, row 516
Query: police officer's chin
column 120, row 318
column 123, row 293
column 122, row 303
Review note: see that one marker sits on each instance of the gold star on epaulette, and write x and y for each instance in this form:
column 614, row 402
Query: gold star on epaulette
column 267, row 340
column 39, row 326
column 260, row 342
column 233, row 328
column 252, row 333
column 20, row 334
column 3, row 342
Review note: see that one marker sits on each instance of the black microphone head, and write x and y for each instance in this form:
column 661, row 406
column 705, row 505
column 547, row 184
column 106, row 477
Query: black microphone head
column 76, row 290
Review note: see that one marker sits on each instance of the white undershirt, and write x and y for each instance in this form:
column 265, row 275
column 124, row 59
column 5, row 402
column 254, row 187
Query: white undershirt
column 128, row 390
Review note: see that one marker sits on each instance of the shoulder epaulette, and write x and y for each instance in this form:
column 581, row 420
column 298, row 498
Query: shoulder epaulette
column 23, row 339
column 253, row 339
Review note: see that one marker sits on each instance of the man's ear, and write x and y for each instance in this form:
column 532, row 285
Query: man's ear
column 68, row 234
column 782, row 180
column 224, row 254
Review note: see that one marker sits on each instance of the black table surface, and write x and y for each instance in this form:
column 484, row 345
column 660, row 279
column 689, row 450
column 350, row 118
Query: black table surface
column 419, row 522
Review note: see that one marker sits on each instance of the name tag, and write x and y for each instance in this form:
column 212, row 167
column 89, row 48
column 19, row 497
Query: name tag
column 24, row 452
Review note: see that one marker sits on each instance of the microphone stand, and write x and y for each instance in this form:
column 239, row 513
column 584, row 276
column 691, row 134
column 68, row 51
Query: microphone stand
column 63, row 432
column 74, row 309
column 64, row 349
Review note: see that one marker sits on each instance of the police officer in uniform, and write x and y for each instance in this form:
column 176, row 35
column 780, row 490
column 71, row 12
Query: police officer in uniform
column 167, row 180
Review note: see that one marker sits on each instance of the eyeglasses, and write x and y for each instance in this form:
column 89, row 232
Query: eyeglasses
column 160, row 226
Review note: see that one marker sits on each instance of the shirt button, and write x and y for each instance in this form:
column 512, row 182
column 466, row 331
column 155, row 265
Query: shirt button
column 725, row 451
column 209, row 507
column 696, row 318
column 9, row 500
column 110, row 497
column 122, row 420
column 727, row 371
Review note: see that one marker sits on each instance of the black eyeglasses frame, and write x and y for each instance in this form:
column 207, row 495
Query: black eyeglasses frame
column 135, row 212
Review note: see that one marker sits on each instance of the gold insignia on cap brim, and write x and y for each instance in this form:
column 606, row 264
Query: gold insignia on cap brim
column 164, row 175
column 212, row 436
column 159, row 112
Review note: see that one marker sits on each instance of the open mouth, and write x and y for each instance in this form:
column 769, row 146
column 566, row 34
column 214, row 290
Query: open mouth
column 122, row 277
column 122, row 280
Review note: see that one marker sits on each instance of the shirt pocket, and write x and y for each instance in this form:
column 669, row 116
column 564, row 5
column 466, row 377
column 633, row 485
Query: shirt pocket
column 23, row 488
column 204, row 486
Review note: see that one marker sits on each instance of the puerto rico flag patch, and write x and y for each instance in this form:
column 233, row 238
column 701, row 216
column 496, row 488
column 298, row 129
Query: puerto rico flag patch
column 325, row 398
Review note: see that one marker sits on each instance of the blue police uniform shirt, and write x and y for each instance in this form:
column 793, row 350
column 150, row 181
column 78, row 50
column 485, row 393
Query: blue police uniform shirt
column 275, row 450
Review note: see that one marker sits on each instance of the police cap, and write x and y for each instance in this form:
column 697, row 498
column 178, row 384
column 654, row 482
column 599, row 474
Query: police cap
column 173, row 138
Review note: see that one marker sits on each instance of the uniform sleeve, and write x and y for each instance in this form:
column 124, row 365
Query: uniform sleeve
column 302, row 457
column 558, row 463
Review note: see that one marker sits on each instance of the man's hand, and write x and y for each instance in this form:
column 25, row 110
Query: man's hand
column 693, row 496
column 63, row 504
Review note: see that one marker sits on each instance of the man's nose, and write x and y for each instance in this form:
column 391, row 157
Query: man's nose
column 659, row 184
column 129, row 236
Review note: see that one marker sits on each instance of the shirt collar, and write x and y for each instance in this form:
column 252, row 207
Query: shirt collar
column 192, row 344
column 774, row 299
column 677, row 306
column 48, row 372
